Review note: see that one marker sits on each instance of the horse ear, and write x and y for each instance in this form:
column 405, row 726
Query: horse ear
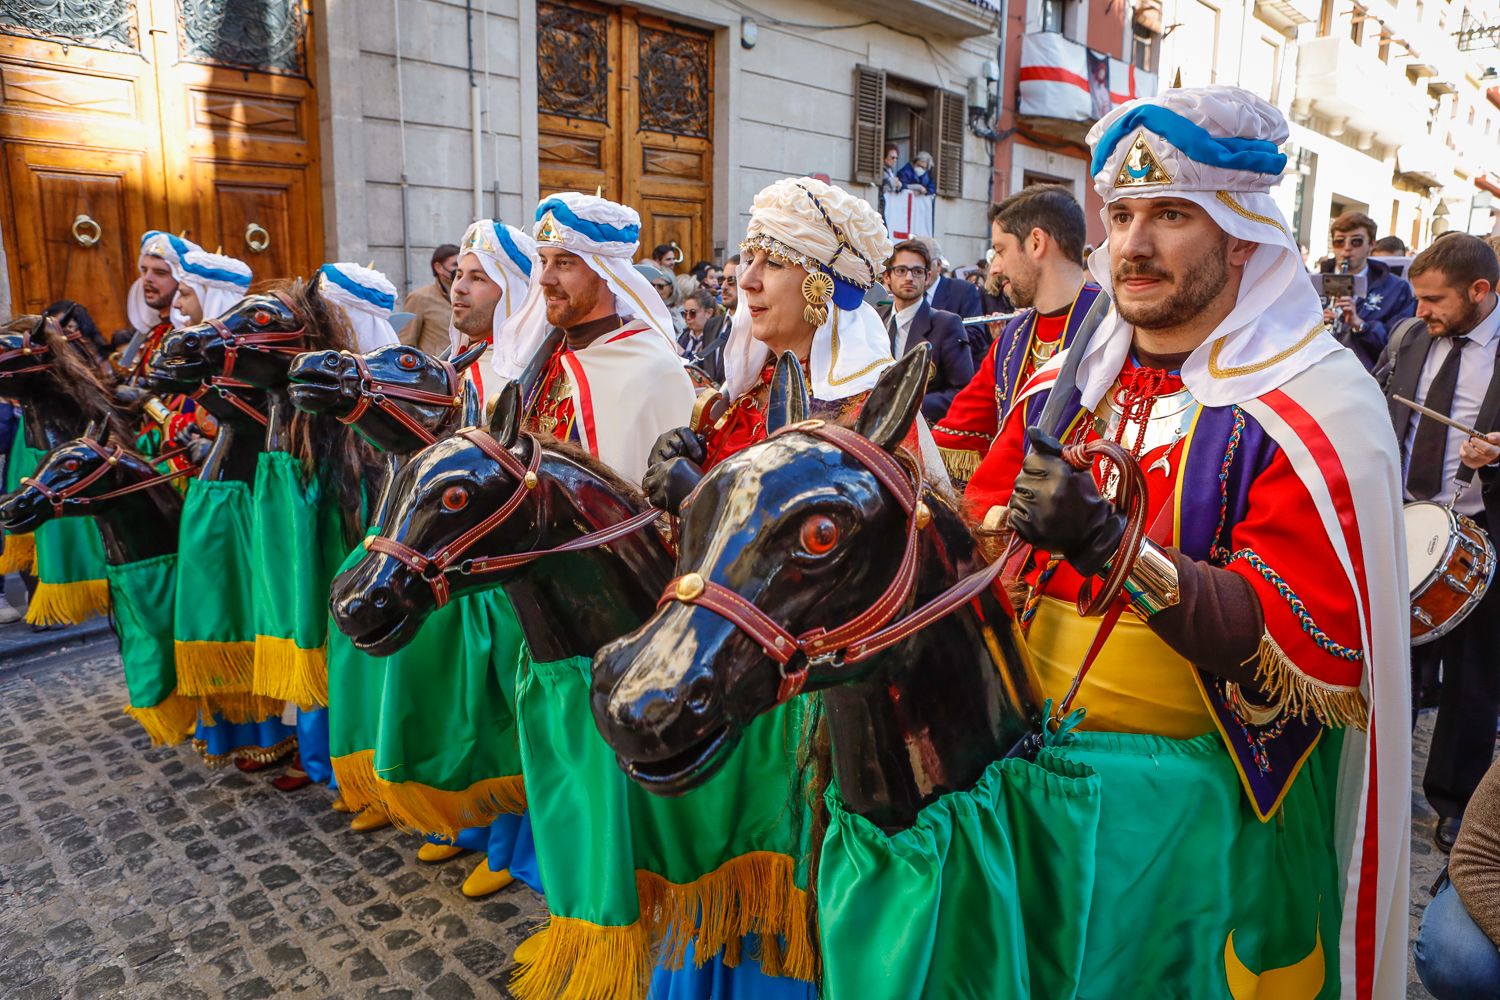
column 788, row 403
column 94, row 428
column 893, row 405
column 468, row 356
column 102, row 436
column 505, row 418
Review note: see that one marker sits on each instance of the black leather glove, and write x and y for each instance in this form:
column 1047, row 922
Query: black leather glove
column 675, row 467
column 1058, row 508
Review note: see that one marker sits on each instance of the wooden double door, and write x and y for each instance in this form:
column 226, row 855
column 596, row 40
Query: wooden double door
column 625, row 107
column 193, row 116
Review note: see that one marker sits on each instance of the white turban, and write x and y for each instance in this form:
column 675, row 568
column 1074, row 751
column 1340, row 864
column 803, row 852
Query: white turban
column 154, row 243
column 367, row 298
column 605, row 235
column 1216, row 147
column 219, row 282
column 508, row 256
column 821, row 229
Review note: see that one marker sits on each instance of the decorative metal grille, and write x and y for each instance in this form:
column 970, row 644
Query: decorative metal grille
column 100, row 24
column 264, row 35
column 674, row 83
column 572, row 62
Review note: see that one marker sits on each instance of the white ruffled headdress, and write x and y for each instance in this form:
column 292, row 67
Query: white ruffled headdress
column 1215, row 147
column 367, row 298
column 218, row 280
column 154, row 243
column 606, row 236
column 821, row 229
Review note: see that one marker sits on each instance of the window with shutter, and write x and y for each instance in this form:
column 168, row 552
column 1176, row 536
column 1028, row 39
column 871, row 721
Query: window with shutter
column 869, row 124
column 950, row 145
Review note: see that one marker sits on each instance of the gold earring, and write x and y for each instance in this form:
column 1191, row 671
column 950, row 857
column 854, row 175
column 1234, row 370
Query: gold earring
column 817, row 289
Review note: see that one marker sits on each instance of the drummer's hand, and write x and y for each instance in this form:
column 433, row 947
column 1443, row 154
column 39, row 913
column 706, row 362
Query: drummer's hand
column 1476, row 454
column 1058, row 508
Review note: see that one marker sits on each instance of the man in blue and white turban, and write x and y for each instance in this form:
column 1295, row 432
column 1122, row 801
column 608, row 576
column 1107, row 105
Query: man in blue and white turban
column 208, row 284
column 1276, row 638
column 366, row 296
column 596, row 337
column 496, row 269
column 148, row 304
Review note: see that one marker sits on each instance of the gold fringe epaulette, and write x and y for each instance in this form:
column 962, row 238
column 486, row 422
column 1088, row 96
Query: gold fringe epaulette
column 423, row 809
column 285, row 670
column 19, row 555
column 214, row 668
column 68, row 603
column 751, row 894
column 168, row 722
column 960, row 463
column 1284, row 682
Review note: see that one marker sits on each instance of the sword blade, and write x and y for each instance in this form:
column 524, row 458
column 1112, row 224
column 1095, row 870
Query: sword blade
column 1067, row 377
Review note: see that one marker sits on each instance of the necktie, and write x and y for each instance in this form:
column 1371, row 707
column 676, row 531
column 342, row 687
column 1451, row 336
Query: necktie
column 1430, row 449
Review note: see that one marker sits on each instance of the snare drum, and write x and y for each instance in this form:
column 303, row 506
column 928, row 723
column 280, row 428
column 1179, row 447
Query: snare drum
column 1450, row 562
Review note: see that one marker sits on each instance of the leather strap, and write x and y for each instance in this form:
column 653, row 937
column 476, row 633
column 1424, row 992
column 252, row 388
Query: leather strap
column 377, row 393
column 70, row 494
column 30, row 350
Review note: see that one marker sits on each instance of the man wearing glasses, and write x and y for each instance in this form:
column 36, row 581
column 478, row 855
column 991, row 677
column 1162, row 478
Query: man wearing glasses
column 1364, row 325
column 911, row 320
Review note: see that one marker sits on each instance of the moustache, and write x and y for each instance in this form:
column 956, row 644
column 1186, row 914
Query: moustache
column 1127, row 271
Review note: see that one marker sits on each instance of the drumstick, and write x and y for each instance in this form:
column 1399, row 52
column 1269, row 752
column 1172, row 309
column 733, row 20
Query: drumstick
column 1440, row 418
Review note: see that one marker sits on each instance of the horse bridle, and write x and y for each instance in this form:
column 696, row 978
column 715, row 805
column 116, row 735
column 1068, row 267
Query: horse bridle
column 379, row 393
column 291, row 342
column 873, row 629
column 71, row 494
column 435, row 567
column 30, row 350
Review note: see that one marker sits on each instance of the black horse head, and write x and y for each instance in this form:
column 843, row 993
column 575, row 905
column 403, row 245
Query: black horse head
column 802, row 530
column 26, row 352
column 87, row 460
column 189, row 357
column 334, row 383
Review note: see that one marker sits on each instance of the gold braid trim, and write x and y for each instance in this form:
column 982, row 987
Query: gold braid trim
column 1283, row 681
column 961, row 463
column 261, row 755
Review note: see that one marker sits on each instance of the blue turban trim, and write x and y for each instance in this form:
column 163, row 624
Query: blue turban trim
column 1258, row 156
column 521, row 260
column 374, row 296
column 846, row 294
column 180, row 245
column 596, row 231
column 216, row 274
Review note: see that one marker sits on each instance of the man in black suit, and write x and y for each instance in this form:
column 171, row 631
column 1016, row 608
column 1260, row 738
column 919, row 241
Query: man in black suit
column 1447, row 362
column 910, row 321
column 952, row 295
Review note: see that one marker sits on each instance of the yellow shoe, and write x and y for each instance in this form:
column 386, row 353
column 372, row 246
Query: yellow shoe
column 368, row 820
column 528, row 950
column 433, row 853
column 483, row 882
column 340, row 806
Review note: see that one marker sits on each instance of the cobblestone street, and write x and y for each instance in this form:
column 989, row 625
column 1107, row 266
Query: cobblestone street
column 132, row 872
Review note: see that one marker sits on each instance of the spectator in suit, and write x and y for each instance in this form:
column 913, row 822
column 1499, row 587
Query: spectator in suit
column 916, row 176
column 428, row 332
column 955, row 296
column 1365, row 325
column 911, row 320
column 704, row 332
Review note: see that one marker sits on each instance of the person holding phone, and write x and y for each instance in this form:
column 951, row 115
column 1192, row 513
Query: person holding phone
column 1364, row 324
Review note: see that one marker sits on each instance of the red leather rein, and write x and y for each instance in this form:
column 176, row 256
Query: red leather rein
column 435, row 567
column 376, row 393
column 30, row 350
column 272, row 341
column 71, row 494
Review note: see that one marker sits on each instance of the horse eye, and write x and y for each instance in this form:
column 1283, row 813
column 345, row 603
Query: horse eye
column 70, row 465
column 819, row 534
column 261, row 317
column 455, row 498
column 407, row 361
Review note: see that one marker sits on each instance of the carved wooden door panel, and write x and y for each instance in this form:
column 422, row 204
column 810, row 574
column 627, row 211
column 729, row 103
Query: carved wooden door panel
column 82, row 159
column 639, row 132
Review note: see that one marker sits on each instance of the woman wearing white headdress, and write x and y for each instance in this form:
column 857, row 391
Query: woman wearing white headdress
column 207, row 285
column 367, row 298
column 810, row 253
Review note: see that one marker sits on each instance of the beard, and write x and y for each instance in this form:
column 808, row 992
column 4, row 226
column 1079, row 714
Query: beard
column 160, row 301
column 1022, row 290
column 569, row 312
column 477, row 322
column 1459, row 325
column 1202, row 281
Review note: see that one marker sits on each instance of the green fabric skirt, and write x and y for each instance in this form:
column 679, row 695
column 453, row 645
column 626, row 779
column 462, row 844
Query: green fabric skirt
column 626, row 869
column 1117, row 865
column 297, row 549
column 428, row 734
column 142, row 594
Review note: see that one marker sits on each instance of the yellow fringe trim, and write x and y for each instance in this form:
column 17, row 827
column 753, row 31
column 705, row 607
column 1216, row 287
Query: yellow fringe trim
column 238, row 707
column 19, row 555
column 961, row 463
column 419, row 808
column 1285, row 683
column 68, row 603
column 751, row 894
column 214, row 668
column 287, row 671
column 260, row 755
column 169, row 722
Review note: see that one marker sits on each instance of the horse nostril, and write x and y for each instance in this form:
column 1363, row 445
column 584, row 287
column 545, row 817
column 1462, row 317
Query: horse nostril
column 380, row 597
column 700, row 696
column 331, row 362
column 191, row 343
